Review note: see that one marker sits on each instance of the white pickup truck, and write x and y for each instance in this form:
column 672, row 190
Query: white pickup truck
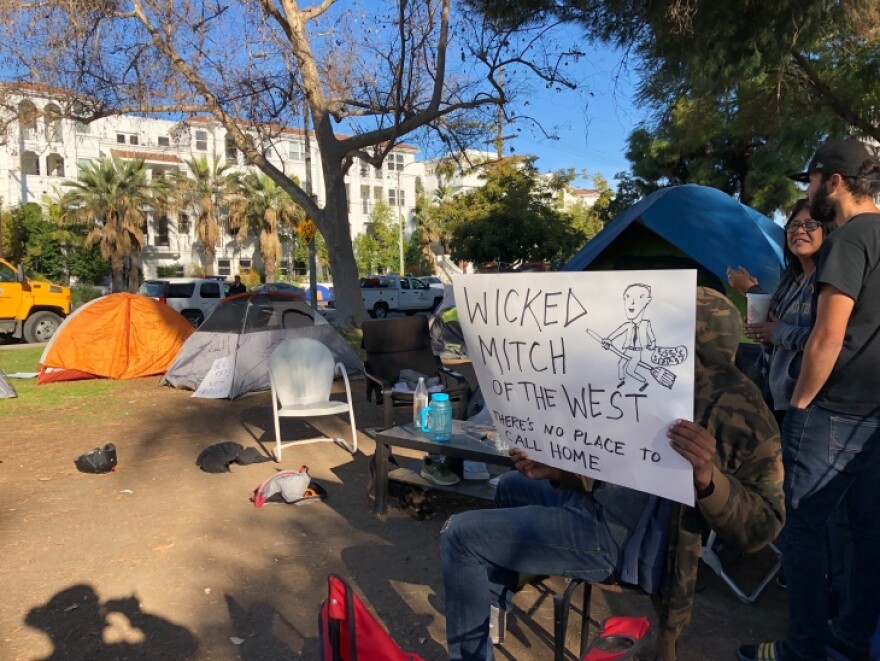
column 392, row 293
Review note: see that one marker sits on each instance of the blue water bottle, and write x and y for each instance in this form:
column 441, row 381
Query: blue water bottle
column 437, row 417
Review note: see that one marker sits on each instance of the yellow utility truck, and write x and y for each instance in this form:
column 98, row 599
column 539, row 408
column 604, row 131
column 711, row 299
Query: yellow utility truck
column 30, row 309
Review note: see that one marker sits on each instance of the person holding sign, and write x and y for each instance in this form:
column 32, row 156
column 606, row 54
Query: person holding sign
column 549, row 522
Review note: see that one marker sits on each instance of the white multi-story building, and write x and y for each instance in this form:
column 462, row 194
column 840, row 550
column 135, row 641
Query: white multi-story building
column 42, row 150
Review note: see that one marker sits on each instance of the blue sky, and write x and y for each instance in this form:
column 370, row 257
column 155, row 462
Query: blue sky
column 593, row 128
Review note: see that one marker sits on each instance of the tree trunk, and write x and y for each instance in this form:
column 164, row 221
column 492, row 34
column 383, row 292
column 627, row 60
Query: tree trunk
column 134, row 279
column 210, row 253
column 116, row 270
column 335, row 227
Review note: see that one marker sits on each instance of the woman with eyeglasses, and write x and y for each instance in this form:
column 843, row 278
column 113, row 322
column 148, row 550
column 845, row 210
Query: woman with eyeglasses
column 785, row 335
column 790, row 322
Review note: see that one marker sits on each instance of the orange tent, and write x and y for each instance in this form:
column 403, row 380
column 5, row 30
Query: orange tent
column 120, row 336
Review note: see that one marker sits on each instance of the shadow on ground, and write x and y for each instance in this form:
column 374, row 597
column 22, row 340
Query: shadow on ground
column 181, row 561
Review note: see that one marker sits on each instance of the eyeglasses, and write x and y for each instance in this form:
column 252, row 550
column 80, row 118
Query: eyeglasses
column 807, row 225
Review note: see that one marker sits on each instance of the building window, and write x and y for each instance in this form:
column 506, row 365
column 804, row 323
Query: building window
column 120, row 138
column 162, row 232
column 179, row 271
column 378, row 193
column 55, row 165
column 244, row 265
column 30, row 163
column 296, row 150
column 201, row 141
column 52, row 118
column 396, row 197
column 133, row 140
column 182, row 224
column 283, row 267
column 224, row 267
column 365, row 169
column 27, row 120
column 365, row 199
column 163, row 141
column 81, row 127
column 395, row 162
column 231, row 150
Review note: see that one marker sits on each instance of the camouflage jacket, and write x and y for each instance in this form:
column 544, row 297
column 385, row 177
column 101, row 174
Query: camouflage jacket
column 746, row 508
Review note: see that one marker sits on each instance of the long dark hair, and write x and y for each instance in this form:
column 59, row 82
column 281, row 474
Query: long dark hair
column 793, row 268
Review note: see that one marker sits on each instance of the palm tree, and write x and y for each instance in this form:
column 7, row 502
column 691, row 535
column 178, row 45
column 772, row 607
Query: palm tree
column 209, row 187
column 265, row 203
column 113, row 198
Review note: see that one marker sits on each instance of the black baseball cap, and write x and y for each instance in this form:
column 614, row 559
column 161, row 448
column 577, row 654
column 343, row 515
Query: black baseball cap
column 843, row 157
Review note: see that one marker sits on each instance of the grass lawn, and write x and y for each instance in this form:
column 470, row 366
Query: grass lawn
column 76, row 400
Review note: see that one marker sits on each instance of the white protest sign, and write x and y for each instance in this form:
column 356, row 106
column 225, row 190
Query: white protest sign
column 586, row 371
column 217, row 383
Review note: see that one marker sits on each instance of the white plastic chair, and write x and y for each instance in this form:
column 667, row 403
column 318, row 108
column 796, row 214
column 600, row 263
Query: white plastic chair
column 301, row 374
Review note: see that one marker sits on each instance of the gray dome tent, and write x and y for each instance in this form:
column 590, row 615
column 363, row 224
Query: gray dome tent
column 246, row 328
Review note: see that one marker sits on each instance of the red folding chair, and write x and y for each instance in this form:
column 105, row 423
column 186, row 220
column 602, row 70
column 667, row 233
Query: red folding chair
column 619, row 638
column 350, row 632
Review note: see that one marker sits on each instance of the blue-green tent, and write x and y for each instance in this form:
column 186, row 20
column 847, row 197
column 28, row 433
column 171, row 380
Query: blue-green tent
column 688, row 226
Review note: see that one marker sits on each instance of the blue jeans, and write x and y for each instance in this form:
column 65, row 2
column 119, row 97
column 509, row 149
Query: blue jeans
column 535, row 530
column 831, row 459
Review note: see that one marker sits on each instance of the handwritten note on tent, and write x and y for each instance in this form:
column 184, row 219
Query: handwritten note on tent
column 585, row 371
column 217, row 383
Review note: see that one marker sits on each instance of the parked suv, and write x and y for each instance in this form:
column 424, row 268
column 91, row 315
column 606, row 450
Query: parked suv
column 194, row 298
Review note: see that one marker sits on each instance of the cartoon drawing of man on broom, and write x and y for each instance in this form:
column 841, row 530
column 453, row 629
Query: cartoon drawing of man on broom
column 638, row 335
column 636, row 332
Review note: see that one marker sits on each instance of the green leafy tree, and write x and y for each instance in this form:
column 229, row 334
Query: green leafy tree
column 378, row 248
column 630, row 189
column 513, row 217
column 5, row 228
column 82, row 262
column 742, row 92
column 112, row 199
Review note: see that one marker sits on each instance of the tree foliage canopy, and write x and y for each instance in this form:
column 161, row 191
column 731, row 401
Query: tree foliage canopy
column 112, row 200
column 514, row 217
column 742, row 91
column 48, row 250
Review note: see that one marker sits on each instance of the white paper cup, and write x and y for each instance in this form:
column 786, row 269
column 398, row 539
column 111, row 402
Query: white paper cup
column 757, row 308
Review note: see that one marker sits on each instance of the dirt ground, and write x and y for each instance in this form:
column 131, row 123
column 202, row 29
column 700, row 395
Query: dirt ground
column 160, row 560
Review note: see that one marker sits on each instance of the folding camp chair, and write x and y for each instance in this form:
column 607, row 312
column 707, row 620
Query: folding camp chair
column 392, row 345
column 711, row 550
column 350, row 632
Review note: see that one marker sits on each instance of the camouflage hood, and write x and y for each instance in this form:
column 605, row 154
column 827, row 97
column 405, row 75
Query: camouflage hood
column 746, row 508
column 719, row 327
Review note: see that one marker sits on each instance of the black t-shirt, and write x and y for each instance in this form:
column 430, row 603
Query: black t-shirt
column 848, row 260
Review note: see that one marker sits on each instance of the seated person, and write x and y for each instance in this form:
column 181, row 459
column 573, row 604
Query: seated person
column 552, row 523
